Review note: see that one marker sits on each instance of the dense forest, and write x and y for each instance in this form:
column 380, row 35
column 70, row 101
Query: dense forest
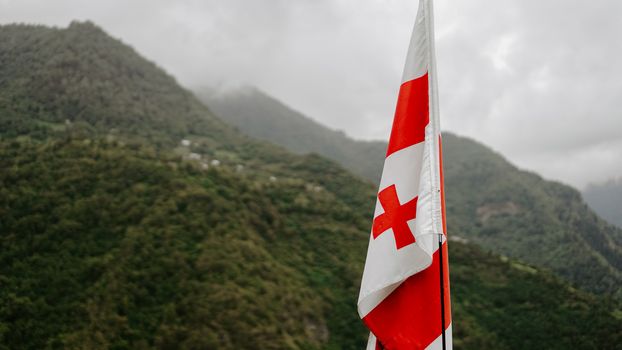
column 132, row 218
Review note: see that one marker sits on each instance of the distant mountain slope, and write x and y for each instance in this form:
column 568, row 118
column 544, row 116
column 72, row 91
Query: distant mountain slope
column 489, row 201
column 265, row 118
column 115, row 236
column 519, row 214
column 606, row 199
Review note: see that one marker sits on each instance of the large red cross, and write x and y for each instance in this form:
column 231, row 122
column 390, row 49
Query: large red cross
column 396, row 217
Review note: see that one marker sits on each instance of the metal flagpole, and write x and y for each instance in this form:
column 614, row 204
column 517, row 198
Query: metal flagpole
column 434, row 114
column 442, row 275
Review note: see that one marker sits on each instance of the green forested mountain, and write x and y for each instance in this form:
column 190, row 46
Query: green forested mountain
column 115, row 236
column 606, row 199
column 123, row 247
column 109, row 246
column 265, row 118
column 517, row 213
column 489, row 201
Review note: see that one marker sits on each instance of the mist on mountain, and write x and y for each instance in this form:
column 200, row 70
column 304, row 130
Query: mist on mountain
column 606, row 199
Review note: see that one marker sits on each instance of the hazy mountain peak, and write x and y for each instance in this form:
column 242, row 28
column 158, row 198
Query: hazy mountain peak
column 265, row 117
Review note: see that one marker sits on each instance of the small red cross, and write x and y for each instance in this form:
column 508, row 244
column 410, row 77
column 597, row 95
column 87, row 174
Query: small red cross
column 395, row 216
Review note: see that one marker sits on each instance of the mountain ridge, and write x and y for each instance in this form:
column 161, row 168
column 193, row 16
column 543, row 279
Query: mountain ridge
column 291, row 129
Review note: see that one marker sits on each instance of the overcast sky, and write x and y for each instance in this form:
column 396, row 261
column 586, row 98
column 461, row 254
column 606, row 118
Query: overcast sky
column 538, row 80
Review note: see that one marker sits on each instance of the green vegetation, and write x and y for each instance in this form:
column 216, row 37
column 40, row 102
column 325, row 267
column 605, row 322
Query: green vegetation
column 518, row 214
column 500, row 304
column 109, row 246
column 113, row 237
column 489, row 201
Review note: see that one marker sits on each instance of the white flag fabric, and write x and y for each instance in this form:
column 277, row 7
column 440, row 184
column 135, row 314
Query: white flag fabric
column 400, row 299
